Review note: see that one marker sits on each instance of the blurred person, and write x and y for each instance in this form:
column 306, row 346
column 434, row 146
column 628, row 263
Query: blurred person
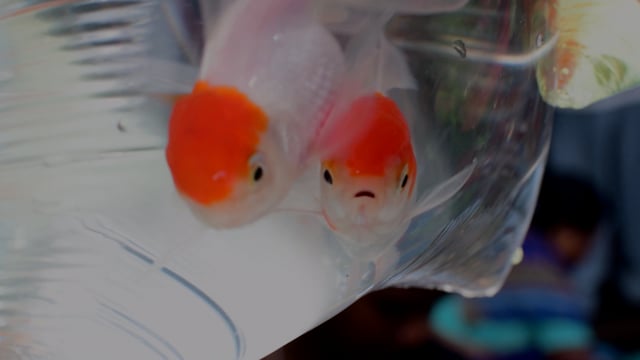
column 600, row 143
column 538, row 314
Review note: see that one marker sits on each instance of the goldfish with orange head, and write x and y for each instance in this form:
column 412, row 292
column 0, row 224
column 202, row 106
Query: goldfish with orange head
column 369, row 168
column 238, row 140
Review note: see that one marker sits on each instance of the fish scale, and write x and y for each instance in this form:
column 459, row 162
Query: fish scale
column 314, row 62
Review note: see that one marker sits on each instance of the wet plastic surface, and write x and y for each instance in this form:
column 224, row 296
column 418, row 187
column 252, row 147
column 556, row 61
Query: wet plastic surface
column 87, row 203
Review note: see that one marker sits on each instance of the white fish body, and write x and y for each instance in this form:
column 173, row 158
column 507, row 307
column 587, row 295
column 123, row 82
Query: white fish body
column 286, row 62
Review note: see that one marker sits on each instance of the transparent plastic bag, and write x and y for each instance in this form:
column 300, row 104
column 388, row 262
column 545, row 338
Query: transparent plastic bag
column 479, row 87
column 87, row 205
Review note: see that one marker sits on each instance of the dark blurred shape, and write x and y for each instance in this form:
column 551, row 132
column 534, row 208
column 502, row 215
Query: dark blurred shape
column 385, row 324
column 567, row 200
column 568, row 212
column 538, row 314
column 602, row 145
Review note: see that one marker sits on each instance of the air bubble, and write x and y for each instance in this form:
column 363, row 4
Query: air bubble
column 539, row 40
column 460, row 48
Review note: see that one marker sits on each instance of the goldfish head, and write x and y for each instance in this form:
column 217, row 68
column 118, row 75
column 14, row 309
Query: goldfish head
column 367, row 183
column 356, row 205
column 224, row 160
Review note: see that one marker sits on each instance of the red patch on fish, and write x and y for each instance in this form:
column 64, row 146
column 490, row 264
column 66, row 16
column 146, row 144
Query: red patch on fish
column 376, row 133
column 212, row 134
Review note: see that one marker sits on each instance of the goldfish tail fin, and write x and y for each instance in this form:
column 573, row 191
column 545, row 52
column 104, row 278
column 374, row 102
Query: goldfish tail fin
column 211, row 12
column 167, row 77
column 444, row 191
column 394, row 72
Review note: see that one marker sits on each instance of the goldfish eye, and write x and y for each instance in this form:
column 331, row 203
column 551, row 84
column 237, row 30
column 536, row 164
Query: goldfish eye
column 257, row 166
column 327, row 177
column 404, row 177
column 257, row 174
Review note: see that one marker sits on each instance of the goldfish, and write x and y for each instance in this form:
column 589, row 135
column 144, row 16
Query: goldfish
column 240, row 138
column 595, row 55
column 368, row 181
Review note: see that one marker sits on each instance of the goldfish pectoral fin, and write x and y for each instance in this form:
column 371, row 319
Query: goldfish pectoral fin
column 444, row 191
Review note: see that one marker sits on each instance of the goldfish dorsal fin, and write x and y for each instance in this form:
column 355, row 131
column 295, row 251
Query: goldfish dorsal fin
column 443, row 192
column 168, row 98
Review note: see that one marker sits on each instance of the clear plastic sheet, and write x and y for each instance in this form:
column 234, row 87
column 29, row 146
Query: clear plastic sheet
column 87, row 203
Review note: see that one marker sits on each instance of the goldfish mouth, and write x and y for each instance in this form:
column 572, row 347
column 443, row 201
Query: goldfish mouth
column 365, row 193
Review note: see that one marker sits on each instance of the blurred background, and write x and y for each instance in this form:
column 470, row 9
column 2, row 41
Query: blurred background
column 574, row 295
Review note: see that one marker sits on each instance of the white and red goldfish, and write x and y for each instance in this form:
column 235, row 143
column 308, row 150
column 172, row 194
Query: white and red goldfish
column 368, row 181
column 238, row 141
column 596, row 54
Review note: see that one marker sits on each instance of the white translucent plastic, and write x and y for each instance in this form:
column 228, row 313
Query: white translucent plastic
column 87, row 203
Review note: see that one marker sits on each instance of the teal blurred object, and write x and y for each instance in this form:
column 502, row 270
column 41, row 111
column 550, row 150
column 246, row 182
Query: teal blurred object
column 448, row 320
column 558, row 335
column 538, row 311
